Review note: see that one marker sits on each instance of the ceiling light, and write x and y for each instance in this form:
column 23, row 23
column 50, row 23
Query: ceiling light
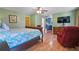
column 41, row 8
column 39, row 12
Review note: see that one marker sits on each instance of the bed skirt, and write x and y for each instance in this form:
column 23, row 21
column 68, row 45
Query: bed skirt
column 26, row 45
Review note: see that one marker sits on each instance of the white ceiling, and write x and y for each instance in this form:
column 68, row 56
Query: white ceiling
column 31, row 10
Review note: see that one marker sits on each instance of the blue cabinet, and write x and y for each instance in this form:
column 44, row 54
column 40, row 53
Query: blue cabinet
column 48, row 27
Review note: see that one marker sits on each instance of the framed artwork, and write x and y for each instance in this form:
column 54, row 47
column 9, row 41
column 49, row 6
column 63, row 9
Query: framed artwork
column 12, row 19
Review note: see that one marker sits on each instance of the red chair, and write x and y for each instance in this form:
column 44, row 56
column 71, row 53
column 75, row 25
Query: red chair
column 68, row 37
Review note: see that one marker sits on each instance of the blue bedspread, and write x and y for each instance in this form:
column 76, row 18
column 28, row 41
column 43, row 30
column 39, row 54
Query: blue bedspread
column 17, row 38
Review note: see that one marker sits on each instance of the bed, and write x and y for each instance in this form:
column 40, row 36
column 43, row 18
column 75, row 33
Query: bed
column 20, row 39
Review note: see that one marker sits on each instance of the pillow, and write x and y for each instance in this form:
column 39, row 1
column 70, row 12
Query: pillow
column 4, row 26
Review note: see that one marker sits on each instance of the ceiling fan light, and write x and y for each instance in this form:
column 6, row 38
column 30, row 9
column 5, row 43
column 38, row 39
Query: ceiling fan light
column 38, row 12
column 41, row 8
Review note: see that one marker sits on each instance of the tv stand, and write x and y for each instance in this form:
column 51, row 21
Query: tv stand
column 63, row 24
column 56, row 29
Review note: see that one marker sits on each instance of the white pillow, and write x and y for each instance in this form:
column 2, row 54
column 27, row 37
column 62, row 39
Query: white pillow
column 4, row 26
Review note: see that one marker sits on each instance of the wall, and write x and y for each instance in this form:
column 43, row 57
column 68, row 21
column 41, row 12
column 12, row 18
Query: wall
column 32, row 20
column 72, row 18
column 77, row 17
column 4, row 16
column 36, row 20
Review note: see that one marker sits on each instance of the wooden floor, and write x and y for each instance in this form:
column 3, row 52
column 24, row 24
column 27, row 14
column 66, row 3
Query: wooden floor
column 49, row 44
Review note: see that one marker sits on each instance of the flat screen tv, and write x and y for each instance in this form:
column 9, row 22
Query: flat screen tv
column 65, row 19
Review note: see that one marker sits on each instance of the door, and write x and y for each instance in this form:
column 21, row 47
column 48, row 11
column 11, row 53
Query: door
column 27, row 21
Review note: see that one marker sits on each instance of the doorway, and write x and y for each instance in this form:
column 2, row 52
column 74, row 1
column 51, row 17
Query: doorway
column 43, row 24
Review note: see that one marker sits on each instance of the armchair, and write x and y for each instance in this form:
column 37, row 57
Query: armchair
column 68, row 37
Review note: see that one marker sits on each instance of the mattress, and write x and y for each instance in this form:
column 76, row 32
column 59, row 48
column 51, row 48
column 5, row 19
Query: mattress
column 22, row 30
column 15, row 37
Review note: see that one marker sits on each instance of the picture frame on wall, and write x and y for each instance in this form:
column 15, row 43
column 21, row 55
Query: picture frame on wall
column 12, row 19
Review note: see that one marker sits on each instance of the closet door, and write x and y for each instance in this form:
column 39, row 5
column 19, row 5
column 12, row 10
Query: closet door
column 27, row 21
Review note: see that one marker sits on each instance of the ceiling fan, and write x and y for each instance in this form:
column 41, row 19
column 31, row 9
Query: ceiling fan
column 40, row 10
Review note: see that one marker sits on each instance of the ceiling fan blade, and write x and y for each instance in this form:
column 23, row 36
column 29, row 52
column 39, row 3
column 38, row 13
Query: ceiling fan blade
column 38, row 8
column 44, row 10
